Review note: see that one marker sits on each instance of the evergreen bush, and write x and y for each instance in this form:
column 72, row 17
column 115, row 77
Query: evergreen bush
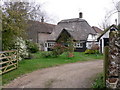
column 58, row 49
column 46, row 54
column 32, row 47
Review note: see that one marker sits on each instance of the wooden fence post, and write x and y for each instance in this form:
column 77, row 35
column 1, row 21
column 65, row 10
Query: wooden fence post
column 106, row 63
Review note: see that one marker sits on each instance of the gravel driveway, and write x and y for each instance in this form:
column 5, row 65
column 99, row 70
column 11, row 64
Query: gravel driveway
column 74, row 75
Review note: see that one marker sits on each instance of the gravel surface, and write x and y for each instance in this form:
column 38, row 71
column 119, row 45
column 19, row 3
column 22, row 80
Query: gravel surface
column 74, row 75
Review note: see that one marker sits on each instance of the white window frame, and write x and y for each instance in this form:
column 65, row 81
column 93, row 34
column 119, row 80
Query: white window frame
column 50, row 44
column 78, row 45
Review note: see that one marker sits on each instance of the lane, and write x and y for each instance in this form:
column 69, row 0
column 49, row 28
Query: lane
column 75, row 75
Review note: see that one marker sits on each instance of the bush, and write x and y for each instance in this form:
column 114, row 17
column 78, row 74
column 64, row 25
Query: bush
column 21, row 46
column 98, row 83
column 95, row 47
column 46, row 54
column 96, row 51
column 30, row 56
column 32, row 47
column 58, row 49
column 90, row 51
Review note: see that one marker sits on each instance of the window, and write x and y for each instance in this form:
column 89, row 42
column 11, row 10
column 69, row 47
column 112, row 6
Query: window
column 65, row 44
column 79, row 45
column 89, row 45
column 51, row 44
column 45, row 44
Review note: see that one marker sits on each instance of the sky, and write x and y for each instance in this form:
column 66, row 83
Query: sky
column 93, row 11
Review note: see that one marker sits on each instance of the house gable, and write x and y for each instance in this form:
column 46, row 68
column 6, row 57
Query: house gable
column 104, row 37
column 105, row 33
column 92, row 37
column 36, row 27
column 63, row 36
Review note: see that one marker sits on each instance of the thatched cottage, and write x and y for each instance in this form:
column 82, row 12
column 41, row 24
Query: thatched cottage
column 77, row 28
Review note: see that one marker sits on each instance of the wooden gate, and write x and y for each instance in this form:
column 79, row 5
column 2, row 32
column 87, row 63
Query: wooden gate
column 8, row 61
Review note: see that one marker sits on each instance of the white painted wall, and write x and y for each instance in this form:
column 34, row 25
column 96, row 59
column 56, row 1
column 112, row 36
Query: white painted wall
column 92, row 37
column 89, row 45
column 46, row 46
column 91, row 40
column 106, row 35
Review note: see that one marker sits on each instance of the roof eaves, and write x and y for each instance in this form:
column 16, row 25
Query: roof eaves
column 106, row 31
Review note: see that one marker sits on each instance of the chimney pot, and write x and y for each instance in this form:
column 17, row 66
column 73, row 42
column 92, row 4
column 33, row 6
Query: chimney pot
column 42, row 19
column 80, row 15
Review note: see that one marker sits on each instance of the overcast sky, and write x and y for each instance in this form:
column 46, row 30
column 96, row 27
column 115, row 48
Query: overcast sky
column 93, row 10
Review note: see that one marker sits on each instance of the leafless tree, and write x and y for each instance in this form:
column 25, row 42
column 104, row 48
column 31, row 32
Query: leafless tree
column 35, row 10
column 105, row 23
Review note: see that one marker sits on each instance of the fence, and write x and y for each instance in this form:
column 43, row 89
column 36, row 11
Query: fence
column 112, row 61
column 8, row 61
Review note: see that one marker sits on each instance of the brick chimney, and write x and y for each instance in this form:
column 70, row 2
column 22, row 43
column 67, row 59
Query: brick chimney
column 42, row 19
column 80, row 15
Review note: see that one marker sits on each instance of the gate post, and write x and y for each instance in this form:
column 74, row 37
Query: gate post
column 106, row 61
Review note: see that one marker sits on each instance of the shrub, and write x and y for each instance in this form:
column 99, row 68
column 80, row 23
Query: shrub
column 32, row 47
column 46, row 54
column 30, row 56
column 95, row 47
column 21, row 46
column 70, row 45
column 98, row 83
column 90, row 51
column 96, row 51
column 58, row 49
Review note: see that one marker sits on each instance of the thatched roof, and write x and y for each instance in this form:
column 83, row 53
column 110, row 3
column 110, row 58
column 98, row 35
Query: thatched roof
column 36, row 27
column 41, row 27
column 77, row 27
column 97, row 30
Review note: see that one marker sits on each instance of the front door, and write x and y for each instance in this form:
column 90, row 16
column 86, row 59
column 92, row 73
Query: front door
column 106, row 41
column 100, row 45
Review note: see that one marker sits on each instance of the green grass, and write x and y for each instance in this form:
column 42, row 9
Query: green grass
column 27, row 66
column 98, row 82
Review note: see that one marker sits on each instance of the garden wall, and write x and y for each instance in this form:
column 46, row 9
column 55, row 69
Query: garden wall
column 113, row 73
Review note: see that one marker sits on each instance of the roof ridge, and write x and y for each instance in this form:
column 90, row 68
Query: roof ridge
column 72, row 19
column 47, row 23
column 43, row 22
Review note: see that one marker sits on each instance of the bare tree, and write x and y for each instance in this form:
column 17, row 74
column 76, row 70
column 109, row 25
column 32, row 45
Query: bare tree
column 105, row 23
column 36, row 11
